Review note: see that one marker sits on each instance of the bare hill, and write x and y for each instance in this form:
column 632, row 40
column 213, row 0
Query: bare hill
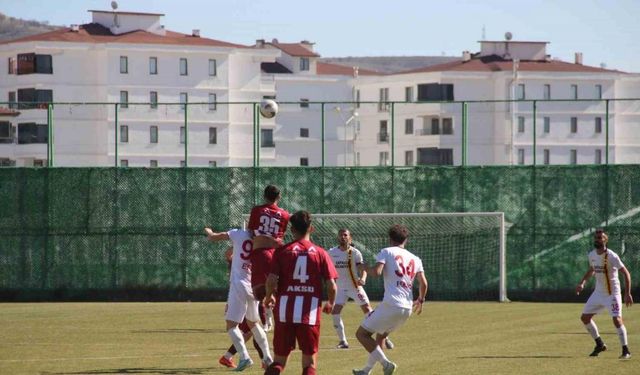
column 13, row 28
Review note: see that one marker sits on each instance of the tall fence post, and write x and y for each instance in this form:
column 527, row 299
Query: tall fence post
column 322, row 135
column 115, row 162
column 393, row 134
column 186, row 134
column 535, row 115
column 606, row 122
column 606, row 158
column 50, row 150
column 464, row 141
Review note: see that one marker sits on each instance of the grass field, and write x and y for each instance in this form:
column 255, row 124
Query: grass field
column 188, row 338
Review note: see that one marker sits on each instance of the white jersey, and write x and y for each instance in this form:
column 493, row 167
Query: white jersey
column 240, row 263
column 346, row 263
column 606, row 266
column 400, row 267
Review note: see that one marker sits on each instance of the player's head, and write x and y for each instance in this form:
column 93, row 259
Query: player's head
column 600, row 239
column 271, row 193
column 398, row 234
column 300, row 223
column 344, row 237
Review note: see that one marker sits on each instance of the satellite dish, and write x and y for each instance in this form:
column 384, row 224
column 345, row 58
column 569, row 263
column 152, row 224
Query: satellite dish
column 114, row 5
column 508, row 35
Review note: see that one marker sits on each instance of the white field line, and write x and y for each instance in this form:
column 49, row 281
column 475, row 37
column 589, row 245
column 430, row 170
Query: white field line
column 105, row 358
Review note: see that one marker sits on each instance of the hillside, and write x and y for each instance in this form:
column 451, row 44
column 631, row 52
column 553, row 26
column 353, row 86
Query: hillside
column 13, row 28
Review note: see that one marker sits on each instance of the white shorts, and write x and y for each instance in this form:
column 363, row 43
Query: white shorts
column 240, row 302
column 385, row 318
column 356, row 294
column 601, row 301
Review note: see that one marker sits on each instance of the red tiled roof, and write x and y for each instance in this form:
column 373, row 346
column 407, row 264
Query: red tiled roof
column 497, row 64
column 342, row 70
column 96, row 33
column 294, row 49
column 8, row 112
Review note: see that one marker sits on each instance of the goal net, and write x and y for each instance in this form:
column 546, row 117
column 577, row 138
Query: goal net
column 463, row 253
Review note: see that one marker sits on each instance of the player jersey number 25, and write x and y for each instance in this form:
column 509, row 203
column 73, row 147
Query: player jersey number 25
column 269, row 225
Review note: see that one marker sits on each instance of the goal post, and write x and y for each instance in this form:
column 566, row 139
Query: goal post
column 464, row 253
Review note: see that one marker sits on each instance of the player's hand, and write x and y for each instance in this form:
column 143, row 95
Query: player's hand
column 628, row 300
column 208, row 232
column 579, row 288
column 327, row 308
column 268, row 322
column 269, row 302
column 362, row 282
column 417, row 306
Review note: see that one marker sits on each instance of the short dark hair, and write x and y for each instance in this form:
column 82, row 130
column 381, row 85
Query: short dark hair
column 342, row 230
column 271, row 193
column 300, row 222
column 398, row 233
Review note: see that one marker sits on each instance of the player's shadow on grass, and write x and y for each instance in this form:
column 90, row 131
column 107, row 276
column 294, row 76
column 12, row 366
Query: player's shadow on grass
column 515, row 357
column 177, row 330
column 134, row 370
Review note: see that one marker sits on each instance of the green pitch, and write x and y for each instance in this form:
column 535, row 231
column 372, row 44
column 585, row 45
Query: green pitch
column 188, row 338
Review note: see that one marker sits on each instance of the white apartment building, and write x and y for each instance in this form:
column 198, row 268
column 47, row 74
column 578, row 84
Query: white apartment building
column 127, row 58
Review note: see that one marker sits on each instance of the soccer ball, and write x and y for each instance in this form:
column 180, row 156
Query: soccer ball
column 268, row 108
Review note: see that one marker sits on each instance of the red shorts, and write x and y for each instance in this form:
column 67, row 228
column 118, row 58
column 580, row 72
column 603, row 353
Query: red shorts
column 285, row 335
column 260, row 265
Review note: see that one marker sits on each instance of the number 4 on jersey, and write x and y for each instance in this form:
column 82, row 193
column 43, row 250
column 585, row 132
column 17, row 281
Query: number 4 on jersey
column 300, row 270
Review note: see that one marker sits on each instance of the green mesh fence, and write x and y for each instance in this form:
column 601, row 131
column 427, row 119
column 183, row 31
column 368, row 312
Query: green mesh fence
column 134, row 233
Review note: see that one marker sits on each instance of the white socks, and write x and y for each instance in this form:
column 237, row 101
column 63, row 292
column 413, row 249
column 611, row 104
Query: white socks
column 238, row 341
column 377, row 355
column 339, row 326
column 263, row 342
column 593, row 329
column 622, row 335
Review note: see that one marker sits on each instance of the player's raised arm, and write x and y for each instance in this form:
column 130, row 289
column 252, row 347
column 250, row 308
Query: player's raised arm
column 628, row 299
column 216, row 236
column 424, row 286
column 585, row 278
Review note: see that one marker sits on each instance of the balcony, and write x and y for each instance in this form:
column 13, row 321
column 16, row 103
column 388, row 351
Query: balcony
column 383, row 137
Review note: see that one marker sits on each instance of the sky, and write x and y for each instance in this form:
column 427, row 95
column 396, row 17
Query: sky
column 603, row 30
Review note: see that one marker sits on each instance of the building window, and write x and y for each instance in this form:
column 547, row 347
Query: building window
column 408, row 158
column 213, row 163
column 153, row 134
column 11, row 62
column 304, row 132
column 598, row 129
column 182, row 135
column 574, row 91
column 383, row 135
column 304, row 103
column 598, row 91
column 29, row 63
column 357, row 98
column 408, row 126
column 574, row 125
column 547, row 125
column 573, row 157
column 598, row 157
column 266, row 138
column 124, row 133
column 408, row 94
column 520, row 94
column 124, row 162
column 213, row 102
column 12, row 100
column 383, row 106
column 124, row 65
column 184, row 69
column 7, row 132
column 304, row 63
column 447, row 126
column 153, row 99
column 31, row 132
column 435, row 92
column 153, row 65
column 546, row 156
column 547, row 92
column 304, row 162
column 384, row 158
column 520, row 124
column 213, row 68
column 124, row 99
column 153, row 163
column 32, row 98
column 184, row 97
column 213, row 135
column 435, row 126
column 521, row 156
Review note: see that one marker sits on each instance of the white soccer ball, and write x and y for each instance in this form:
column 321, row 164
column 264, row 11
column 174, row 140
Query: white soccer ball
column 268, row 108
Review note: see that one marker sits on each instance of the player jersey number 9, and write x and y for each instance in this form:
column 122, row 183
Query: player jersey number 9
column 269, row 225
column 409, row 270
column 247, row 246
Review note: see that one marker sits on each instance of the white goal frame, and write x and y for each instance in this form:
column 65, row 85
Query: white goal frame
column 502, row 285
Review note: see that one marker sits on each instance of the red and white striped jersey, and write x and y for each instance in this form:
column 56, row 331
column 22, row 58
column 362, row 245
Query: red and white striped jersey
column 301, row 267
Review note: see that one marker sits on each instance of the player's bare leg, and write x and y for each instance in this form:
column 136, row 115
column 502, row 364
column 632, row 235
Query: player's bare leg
column 590, row 326
column 375, row 353
column 622, row 336
column 339, row 327
column 309, row 364
column 238, row 341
